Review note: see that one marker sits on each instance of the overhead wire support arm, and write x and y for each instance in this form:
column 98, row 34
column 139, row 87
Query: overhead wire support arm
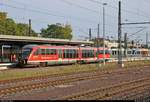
column 135, row 23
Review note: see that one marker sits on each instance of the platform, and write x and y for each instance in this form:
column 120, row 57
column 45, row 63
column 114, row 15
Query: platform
column 4, row 66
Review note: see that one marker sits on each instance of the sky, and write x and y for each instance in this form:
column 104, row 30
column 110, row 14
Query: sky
column 82, row 15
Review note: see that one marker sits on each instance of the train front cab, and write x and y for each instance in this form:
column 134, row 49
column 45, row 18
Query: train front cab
column 25, row 54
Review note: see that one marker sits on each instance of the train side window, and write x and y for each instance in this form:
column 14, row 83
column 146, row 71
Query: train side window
column 72, row 53
column 138, row 52
column 92, row 53
column 77, row 55
column 65, row 54
column 82, row 53
column 68, row 54
column 100, row 52
column 113, row 52
column 107, row 52
column 88, row 53
column 47, row 51
column 43, row 51
column 129, row 52
column 60, row 53
column 133, row 52
column 53, row 51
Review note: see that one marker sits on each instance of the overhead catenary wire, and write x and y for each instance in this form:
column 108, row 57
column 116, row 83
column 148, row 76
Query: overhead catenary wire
column 50, row 14
column 85, row 7
column 124, row 10
column 82, row 7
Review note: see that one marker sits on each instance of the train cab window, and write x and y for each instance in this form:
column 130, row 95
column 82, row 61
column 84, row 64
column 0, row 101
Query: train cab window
column 37, row 52
column 26, row 52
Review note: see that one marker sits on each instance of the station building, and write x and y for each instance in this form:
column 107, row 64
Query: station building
column 10, row 46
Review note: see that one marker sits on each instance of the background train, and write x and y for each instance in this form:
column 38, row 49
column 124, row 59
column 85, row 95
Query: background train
column 45, row 55
column 134, row 52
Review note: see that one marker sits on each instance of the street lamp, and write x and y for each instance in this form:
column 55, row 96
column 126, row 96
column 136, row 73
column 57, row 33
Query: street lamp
column 104, row 32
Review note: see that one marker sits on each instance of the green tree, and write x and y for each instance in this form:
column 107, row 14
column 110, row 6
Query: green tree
column 3, row 16
column 2, row 22
column 9, row 27
column 23, row 30
column 57, row 31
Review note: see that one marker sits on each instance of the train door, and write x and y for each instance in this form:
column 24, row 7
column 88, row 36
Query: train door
column 60, row 56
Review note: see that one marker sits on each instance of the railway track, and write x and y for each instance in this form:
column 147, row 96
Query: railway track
column 60, row 81
column 59, row 75
column 109, row 92
column 16, row 89
column 43, row 84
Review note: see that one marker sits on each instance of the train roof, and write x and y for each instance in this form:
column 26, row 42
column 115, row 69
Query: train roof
column 52, row 46
column 48, row 46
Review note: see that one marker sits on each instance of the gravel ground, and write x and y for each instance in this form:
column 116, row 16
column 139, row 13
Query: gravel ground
column 56, row 92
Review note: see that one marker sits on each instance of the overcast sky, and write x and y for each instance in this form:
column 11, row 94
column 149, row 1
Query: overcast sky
column 81, row 15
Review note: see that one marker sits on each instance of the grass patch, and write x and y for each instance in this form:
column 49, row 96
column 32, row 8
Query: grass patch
column 23, row 73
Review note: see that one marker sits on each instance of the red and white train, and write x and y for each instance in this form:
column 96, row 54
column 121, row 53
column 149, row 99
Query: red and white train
column 45, row 55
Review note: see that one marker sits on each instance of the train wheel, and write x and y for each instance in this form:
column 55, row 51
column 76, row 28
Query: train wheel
column 43, row 64
column 78, row 62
